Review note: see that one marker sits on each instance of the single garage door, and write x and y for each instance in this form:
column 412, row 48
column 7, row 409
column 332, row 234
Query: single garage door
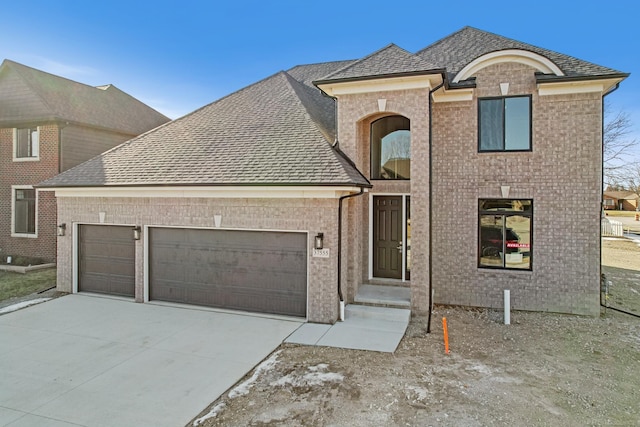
column 256, row 271
column 106, row 259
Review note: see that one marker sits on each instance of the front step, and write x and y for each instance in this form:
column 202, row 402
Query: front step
column 384, row 296
column 353, row 311
column 388, row 282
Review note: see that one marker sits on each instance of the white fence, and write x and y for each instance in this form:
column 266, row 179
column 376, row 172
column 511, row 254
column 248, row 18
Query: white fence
column 611, row 227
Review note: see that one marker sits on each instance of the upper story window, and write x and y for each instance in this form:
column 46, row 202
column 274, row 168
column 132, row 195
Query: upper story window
column 505, row 230
column 26, row 144
column 504, row 124
column 391, row 148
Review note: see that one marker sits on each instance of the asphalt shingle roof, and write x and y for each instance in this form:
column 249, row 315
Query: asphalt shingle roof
column 280, row 131
column 384, row 62
column 269, row 133
column 460, row 48
column 105, row 106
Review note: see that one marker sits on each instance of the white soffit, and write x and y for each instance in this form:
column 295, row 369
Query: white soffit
column 456, row 95
column 585, row 86
column 381, row 85
column 539, row 62
column 231, row 192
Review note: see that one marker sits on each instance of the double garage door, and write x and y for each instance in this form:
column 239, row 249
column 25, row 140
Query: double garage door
column 256, row 271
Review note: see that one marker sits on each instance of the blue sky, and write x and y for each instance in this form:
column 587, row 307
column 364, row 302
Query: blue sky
column 179, row 56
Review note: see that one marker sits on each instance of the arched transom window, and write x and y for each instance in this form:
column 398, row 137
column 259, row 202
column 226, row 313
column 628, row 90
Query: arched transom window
column 391, row 148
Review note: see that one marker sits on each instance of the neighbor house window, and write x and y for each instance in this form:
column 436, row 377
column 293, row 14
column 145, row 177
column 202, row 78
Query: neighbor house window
column 24, row 211
column 504, row 124
column 504, row 229
column 391, row 148
column 26, row 142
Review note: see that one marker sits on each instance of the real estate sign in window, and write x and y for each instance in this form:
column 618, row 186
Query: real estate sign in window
column 505, row 231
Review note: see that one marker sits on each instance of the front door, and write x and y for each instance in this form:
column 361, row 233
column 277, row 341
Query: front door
column 387, row 237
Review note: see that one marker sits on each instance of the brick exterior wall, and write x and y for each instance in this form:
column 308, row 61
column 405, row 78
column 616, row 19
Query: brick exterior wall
column 307, row 215
column 29, row 173
column 355, row 115
column 78, row 144
column 562, row 174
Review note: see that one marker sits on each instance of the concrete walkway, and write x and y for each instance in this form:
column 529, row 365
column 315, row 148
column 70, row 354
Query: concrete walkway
column 82, row 360
column 364, row 328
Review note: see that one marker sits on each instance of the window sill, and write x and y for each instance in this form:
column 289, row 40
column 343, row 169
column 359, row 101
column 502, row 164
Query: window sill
column 504, row 270
column 26, row 159
column 25, row 235
column 525, row 150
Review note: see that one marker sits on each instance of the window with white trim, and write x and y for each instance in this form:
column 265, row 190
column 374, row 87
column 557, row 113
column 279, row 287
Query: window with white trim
column 26, row 143
column 24, row 211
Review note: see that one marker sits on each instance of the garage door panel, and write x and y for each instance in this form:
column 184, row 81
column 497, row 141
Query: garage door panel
column 244, row 270
column 106, row 260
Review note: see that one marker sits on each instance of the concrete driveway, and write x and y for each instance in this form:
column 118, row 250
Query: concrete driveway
column 83, row 360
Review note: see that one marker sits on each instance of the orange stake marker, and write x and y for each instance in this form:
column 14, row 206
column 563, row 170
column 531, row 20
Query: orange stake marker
column 446, row 335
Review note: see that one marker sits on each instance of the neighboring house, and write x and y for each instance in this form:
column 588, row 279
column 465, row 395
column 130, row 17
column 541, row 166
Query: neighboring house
column 620, row 200
column 49, row 124
column 286, row 197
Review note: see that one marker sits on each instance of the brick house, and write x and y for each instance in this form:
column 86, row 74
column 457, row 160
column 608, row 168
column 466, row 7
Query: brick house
column 49, row 124
column 620, row 200
column 436, row 173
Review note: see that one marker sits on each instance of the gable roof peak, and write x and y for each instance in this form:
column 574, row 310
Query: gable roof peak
column 59, row 98
column 460, row 48
column 387, row 61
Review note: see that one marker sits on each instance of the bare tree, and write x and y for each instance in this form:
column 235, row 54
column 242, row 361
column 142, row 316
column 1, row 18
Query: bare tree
column 617, row 147
column 633, row 181
column 397, row 146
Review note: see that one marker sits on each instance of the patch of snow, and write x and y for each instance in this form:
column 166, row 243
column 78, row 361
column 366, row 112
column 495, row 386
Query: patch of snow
column 320, row 367
column 212, row 414
column 265, row 366
column 315, row 377
column 23, row 304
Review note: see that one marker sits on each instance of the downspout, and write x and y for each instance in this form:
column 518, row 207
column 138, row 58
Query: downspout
column 337, row 148
column 431, row 202
column 60, row 148
column 340, row 249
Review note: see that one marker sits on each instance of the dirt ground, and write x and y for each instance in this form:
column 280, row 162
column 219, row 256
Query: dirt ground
column 543, row 370
column 621, row 267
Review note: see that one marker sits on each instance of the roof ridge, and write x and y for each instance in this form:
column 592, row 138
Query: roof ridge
column 179, row 119
column 442, row 39
column 334, row 149
column 296, row 86
column 56, row 76
column 358, row 61
column 110, row 88
column 319, row 63
column 12, row 65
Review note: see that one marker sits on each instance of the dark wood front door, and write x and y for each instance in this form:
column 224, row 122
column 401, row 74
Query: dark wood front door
column 387, row 237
